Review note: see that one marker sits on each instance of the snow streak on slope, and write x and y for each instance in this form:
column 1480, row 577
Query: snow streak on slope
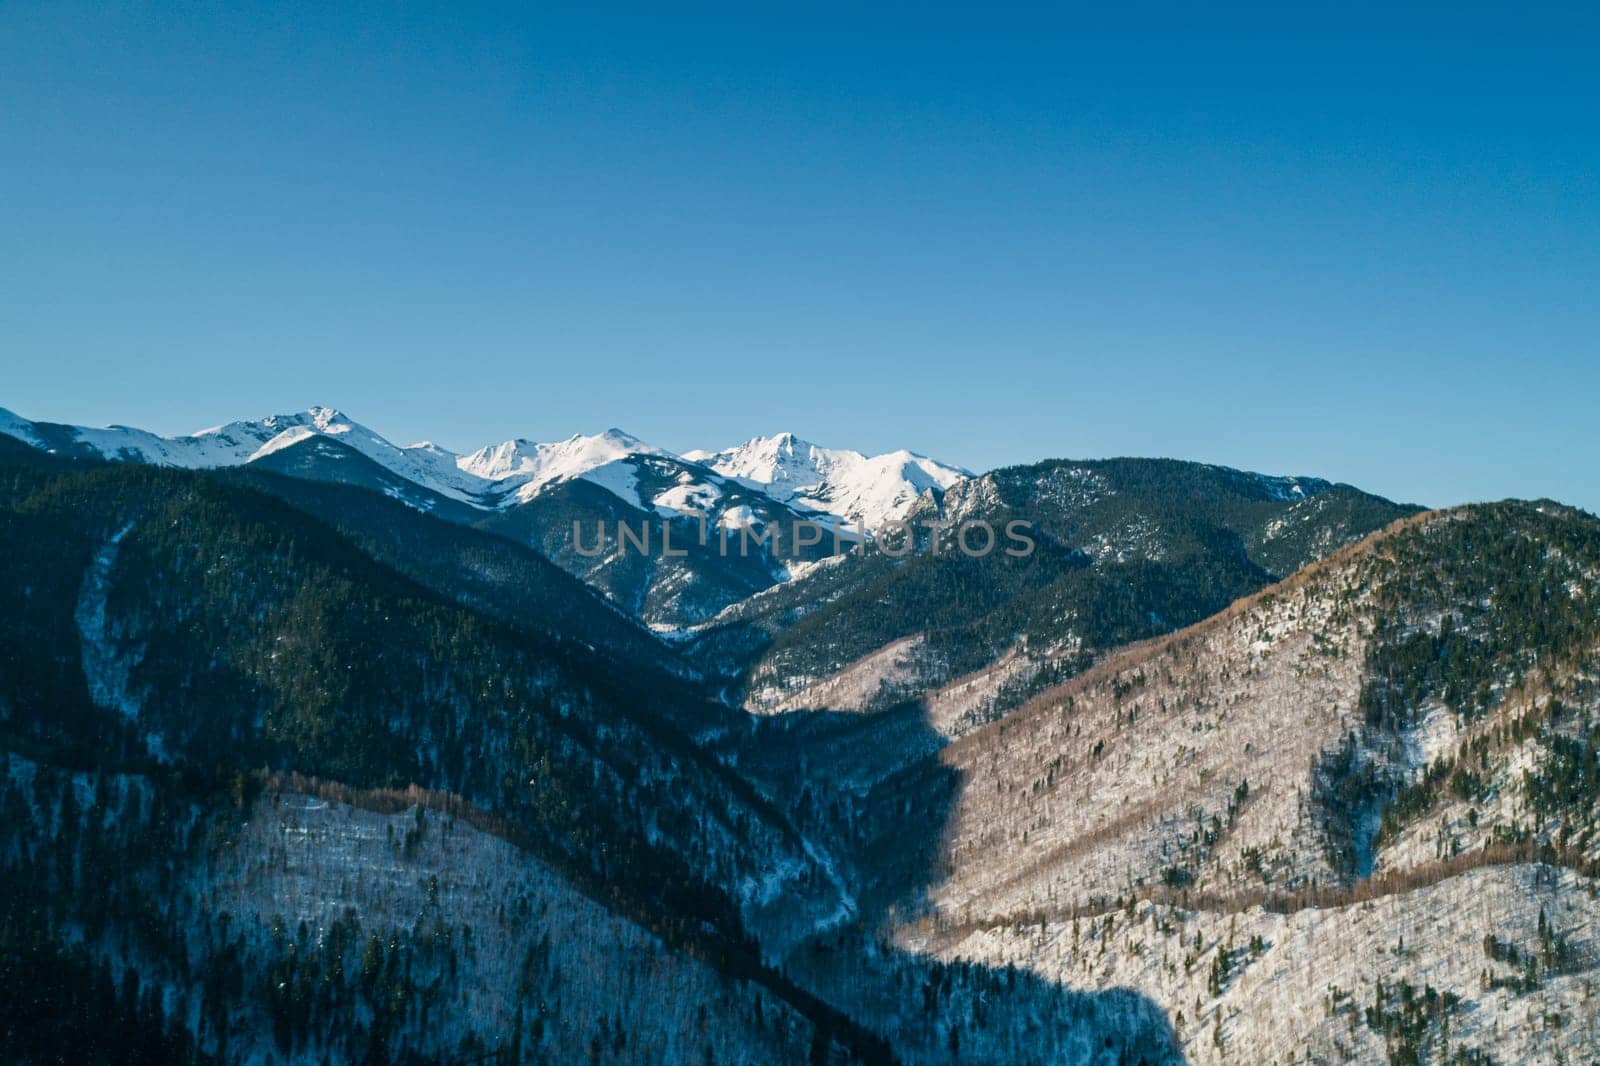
column 861, row 489
column 105, row 667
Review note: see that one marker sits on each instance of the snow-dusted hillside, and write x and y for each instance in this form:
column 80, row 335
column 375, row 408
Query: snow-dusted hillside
column 1186, row 761
column 515, row 949
column 358, row 926
column 1352, row 818
column 1421, row 976
column 864, row 490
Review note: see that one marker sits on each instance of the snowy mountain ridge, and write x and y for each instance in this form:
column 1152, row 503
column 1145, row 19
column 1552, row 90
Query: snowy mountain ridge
column 837, row 485
column 240, row 443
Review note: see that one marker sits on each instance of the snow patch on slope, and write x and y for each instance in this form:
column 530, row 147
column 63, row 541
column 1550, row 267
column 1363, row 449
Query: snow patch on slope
column 688, row 495
column 106, row 669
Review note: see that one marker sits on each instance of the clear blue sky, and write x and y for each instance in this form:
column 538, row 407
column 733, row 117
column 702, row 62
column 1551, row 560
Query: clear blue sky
column 1369, row 252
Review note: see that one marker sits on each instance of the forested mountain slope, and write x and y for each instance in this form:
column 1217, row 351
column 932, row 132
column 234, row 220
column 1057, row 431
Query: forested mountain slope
column 265, row 793
column 144, row 923
column 481, row 570
column 1125, row 549
column 294, row 767
column 181, row 635
column 1415, row 720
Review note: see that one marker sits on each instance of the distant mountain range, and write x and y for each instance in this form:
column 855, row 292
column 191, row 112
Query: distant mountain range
column 541, row 493
column 834, row 485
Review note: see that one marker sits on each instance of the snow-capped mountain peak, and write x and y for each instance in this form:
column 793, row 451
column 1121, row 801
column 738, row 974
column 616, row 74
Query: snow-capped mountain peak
column 868, row 490
column 530, row 465
column 781, row 458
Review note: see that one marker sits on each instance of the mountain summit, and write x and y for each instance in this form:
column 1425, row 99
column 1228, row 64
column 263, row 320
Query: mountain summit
column 868, row 490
